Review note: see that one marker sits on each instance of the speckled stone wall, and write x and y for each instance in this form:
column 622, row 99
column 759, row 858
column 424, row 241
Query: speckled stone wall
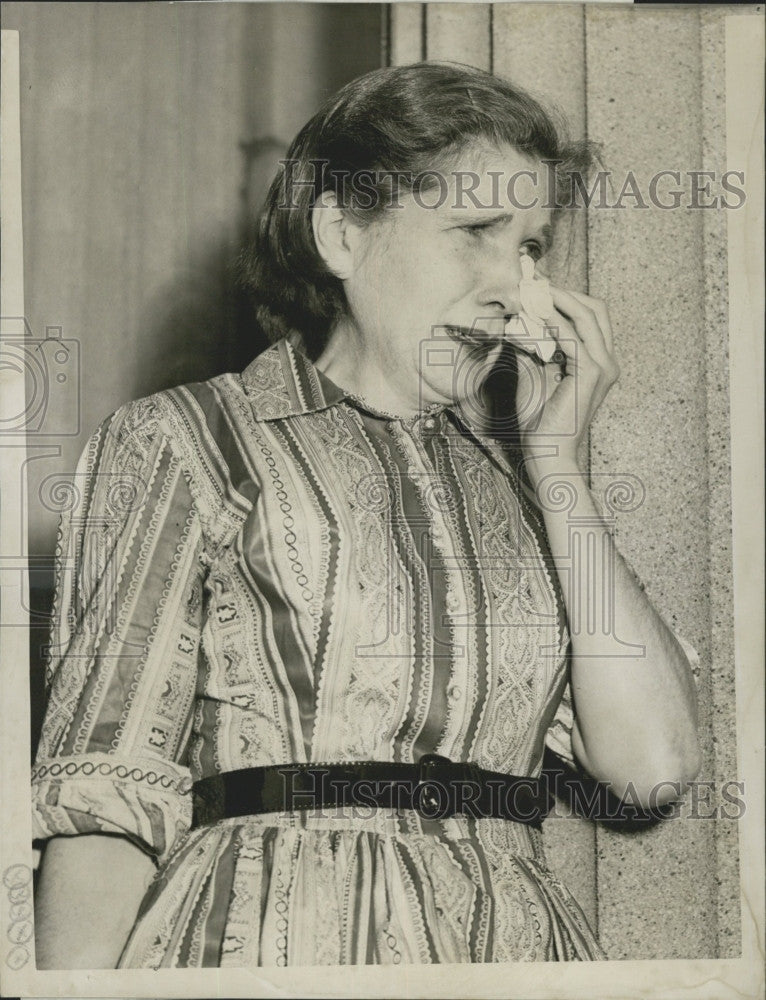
column 648, row 83
column 649, row 265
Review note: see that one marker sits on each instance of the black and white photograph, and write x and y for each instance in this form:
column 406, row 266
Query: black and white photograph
column 381, row 538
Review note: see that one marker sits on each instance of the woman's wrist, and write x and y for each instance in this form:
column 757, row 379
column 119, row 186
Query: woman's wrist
column 561, row 489
column 543, row 469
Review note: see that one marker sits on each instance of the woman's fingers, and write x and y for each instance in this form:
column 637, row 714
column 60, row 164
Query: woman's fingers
column 598, row 306
column 588, row 317
column 572, row 350
column 583, row 320
column 582, row 332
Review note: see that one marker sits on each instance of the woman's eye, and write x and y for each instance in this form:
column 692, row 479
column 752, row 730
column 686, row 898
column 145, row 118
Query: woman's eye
column 476, row 228
column 533, row 250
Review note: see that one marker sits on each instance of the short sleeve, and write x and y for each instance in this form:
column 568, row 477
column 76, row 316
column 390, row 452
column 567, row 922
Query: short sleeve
column 126, row 629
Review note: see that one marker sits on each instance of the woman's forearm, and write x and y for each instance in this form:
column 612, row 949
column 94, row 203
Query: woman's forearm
column 633, row 689
column 89, row 891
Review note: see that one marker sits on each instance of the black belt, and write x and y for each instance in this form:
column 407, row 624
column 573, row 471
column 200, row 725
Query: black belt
column 435, row 787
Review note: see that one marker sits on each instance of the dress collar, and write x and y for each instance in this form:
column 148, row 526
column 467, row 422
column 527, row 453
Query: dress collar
column 282, row 382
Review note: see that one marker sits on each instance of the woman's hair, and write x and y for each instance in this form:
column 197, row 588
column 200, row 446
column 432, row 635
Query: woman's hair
column 375, row 138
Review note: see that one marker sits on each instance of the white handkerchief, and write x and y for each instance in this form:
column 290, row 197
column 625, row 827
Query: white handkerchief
column 526, row 328
column 535, row 293
column 536, row 307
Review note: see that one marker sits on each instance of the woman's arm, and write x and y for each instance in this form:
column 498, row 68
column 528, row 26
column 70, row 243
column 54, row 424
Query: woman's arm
column 634, row 695
column 87, row 898
column 110, row 771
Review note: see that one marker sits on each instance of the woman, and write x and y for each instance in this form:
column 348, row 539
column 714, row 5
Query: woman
column 330, row 560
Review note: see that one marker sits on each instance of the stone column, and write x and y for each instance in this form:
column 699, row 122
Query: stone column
column 643, row 99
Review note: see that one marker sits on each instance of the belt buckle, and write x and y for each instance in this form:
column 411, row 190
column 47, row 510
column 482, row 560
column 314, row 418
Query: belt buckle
column 428, row 804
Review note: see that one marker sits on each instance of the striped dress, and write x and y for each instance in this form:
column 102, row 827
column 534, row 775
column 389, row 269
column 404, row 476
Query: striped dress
column 262, row 569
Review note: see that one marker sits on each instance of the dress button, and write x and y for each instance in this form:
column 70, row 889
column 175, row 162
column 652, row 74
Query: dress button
column 429, row 423
column 453, row 692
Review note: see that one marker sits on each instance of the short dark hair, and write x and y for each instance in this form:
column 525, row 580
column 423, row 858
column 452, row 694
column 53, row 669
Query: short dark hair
column 392, row 121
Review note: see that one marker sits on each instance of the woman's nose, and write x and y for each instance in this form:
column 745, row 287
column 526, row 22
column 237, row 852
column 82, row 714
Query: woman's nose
column 499, row 289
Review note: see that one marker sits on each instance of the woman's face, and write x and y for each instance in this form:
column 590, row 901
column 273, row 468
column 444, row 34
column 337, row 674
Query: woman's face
column 427, row 276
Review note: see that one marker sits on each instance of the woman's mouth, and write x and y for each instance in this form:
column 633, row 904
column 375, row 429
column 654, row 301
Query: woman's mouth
column 477, row 336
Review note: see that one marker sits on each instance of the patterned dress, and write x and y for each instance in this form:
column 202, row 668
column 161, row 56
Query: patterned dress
column 261, row 569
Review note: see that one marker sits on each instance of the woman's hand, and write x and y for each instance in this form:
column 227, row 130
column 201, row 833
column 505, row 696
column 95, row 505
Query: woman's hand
column 557, row 401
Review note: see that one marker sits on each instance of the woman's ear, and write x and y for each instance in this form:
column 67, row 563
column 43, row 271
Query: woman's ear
column 335, row 235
